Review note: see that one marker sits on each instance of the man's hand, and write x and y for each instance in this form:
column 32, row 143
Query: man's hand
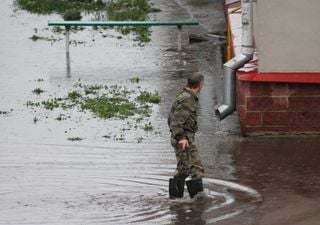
column 184, row 144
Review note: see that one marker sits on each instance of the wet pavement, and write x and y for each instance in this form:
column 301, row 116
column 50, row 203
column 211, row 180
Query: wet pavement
column 46, row 179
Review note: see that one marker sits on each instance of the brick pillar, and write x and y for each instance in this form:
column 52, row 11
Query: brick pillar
column 267, row 108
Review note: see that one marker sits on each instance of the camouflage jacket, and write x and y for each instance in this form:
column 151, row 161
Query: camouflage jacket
column 182, row 119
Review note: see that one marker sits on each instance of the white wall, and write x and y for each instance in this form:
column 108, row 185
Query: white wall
column 288, row 35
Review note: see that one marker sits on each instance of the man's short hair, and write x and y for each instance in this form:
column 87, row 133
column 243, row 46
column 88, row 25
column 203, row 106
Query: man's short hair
column 194, row 80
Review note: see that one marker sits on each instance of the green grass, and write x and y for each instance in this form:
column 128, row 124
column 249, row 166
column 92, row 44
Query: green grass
column 36, row 38
column 109, row 107
column 35, row 120
column 61, row 117
column 32, row 104
column 148, row 97
column 92, row 89
column 135, row 80
column 60, row 6
column 51, row 103
column 140, row 139
column 37, row 91
column 148, row 127
column 74, row 96
column 134, row 10
column 72, row 14
column 119, row 10
column 106, row 102
column 75, row 139
column 4, row 113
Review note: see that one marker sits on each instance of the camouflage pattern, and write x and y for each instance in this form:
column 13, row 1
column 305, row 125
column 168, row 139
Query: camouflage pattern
column 182, row 122
column 182, row 119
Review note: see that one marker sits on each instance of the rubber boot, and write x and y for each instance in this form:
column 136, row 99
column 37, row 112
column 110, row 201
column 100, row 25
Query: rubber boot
column 194, row 187
column 176, row 188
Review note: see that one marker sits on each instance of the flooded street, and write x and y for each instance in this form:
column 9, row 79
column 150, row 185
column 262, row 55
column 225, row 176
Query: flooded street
column 123, row 179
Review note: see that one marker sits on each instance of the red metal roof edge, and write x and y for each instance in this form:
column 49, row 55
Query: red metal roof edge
column 299, row 77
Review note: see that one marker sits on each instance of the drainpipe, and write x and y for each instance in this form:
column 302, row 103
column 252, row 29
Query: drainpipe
column 230, row 68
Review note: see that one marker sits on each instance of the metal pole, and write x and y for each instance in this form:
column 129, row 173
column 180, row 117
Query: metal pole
column 179, row 37
column 67, row 40
column 68, row 50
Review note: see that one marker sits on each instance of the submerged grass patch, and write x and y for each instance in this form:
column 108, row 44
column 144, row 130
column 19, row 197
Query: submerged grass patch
column 148, row 127
column 135, row 80
column 60, row 6
column 106, row 136
column 36, row 38
column 72, row 14
column 35, row 120
column 148, row 97
column 51, row 103
column 118, row 10
column 4, row 113
column 134, row 10
column 61, row 117
column 33, row 104
column 37, row 91
column 131, row 107
column 106, row 107
column 75, row 139
column 103, row 101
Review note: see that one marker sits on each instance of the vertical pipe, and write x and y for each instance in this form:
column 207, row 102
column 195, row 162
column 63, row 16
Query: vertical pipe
column 179, row 37
column 247, row 27
column 230, row 68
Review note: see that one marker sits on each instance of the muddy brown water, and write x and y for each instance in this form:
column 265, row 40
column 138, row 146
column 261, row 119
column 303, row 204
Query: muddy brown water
column 46, row 179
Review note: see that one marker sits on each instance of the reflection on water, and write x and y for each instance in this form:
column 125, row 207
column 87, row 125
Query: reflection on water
column 47, row 180
column 68, row 72
column 286, row 172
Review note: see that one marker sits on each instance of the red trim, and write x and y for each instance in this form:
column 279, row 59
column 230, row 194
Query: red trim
column 254, row 76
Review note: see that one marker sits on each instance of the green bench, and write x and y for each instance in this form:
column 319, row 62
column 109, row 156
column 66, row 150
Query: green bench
column 68, row 24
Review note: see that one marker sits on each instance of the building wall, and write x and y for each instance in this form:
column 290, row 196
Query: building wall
column 268, row 108
column 288, row 35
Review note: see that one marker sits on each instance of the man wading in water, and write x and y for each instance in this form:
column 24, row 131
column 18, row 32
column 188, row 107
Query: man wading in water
column 182, row 122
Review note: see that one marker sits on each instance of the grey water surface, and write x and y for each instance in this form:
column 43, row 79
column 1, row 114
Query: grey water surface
column 47, row 179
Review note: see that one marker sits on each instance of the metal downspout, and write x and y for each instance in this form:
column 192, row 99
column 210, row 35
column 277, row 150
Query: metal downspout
column 230, row 68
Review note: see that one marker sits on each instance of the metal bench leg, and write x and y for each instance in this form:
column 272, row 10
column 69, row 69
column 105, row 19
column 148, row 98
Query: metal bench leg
column 68, row 50
column 67, row 40
column 179, row 37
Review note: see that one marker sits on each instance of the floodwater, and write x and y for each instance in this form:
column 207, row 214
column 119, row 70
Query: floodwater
column 46, row 179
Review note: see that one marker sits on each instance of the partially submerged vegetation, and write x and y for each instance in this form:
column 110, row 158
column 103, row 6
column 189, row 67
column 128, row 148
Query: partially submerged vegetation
column 5, row 113
column 131, row 10
column 75, row 139
column 116, row 102
column 37, row 91
column 37, row 37
column 35, row 120
column 148, row 127
column 135, row 79
column 105, row 102
column 60, row 6
column 72, row 14
column 118, row 10
column 148, row 97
